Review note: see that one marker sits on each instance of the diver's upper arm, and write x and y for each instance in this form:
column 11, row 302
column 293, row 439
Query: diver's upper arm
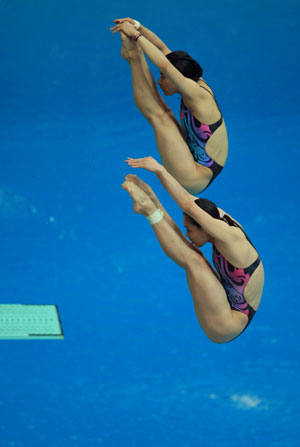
column 185, row 86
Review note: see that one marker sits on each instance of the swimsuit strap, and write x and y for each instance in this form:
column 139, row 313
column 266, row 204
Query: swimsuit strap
column 201, row 86
column 242, row 229
column 254, row 264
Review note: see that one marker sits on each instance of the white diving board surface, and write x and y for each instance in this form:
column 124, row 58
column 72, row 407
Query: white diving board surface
column 30, row 321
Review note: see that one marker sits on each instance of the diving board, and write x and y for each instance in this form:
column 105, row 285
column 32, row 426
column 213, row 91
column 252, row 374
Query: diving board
column 30, row 321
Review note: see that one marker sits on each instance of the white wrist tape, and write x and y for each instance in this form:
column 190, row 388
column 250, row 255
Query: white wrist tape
column 156, row 217
column 137, row 24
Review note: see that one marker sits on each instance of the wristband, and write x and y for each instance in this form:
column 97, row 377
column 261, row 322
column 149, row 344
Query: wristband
column 137, row 24
column 135, row 38
column 156, row 217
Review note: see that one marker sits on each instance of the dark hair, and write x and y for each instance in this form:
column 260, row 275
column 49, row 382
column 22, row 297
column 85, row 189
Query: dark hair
column 211, row 208
column 185, row 64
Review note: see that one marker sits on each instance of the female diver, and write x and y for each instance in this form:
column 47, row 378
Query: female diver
column 195, row 151
column 225, row 299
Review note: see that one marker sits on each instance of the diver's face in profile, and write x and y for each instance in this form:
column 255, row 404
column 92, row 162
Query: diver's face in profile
column 166, row 85
column 194, row 233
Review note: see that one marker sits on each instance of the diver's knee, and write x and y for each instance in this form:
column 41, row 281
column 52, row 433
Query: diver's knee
column 160, row 117
column 195, row 261
column 223, row 331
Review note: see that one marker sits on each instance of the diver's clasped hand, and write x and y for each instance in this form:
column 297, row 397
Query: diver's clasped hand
column 148, row 163
column 126, row 27
column 136, row 23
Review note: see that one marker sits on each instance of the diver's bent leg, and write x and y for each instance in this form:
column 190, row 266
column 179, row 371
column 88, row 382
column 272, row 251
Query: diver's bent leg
column 176, row 155
column 143, row 83
column 219, row 322
column 144, row 95
column 151, row 80
column 214, row 314
column 175, row 247
column 172, row 147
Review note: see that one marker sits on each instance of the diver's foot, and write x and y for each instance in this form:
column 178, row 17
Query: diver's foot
column 142, row 185
column 142, row 204
column 128, row 49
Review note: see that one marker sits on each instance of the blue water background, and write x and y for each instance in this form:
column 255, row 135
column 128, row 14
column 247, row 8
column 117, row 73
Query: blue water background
column 135, row 368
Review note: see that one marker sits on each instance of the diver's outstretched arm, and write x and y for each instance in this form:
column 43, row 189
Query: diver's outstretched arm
column 185, row 86
column 186, row 201
column 153, row 38
column 180, row 195
column 144, row 85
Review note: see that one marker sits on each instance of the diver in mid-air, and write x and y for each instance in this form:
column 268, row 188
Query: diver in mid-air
column 227, row 297
column 195, row 151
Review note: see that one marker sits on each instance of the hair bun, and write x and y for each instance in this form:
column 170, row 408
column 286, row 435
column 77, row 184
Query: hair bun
column 184, row 63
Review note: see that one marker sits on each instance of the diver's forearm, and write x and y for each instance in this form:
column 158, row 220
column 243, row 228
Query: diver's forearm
column 153, row 53
column 153, row 38
column 180, row 195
